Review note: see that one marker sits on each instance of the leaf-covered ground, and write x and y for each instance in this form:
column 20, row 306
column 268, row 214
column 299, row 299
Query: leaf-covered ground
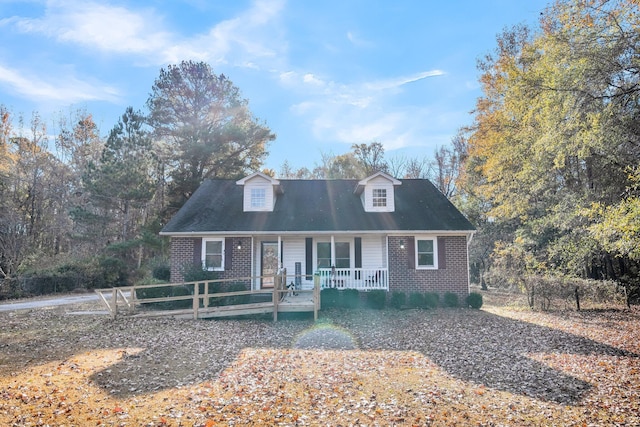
column 495, row 367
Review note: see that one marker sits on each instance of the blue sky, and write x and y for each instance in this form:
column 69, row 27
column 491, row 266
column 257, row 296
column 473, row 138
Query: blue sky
column 321, row 74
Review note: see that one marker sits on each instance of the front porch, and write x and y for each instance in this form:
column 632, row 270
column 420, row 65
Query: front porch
column 361, row 279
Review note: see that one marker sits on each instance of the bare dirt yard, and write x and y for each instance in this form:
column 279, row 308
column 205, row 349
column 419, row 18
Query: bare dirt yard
column 499, row 366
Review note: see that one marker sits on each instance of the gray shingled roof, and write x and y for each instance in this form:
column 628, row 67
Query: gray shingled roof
column 316, row 206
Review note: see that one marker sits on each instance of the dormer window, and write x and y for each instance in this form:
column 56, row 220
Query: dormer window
column 377, row 192
column 260, row 192
column 258, row 198
column 379, row 198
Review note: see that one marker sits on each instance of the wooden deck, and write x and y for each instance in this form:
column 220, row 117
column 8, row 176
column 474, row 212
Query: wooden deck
column 127, row 301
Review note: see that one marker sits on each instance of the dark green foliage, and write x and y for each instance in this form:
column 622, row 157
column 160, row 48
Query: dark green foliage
column 377, row 299
column 349, row 298
column 416, row 300
column 398, row 299
column 450, row 300
column 161, row 271
column 194, row 273
column 474, row 300
column 164, row 292
column 329, row 298
column 431, row 300
column 235, row 299
column 92, row 273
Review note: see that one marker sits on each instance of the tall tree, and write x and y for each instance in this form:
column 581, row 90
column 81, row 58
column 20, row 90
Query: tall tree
column 208, row 125
column 554, row 132
column 122, row 184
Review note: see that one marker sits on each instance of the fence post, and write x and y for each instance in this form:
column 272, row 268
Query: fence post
column 276, row 296
column 196, row 300
column 114, row 303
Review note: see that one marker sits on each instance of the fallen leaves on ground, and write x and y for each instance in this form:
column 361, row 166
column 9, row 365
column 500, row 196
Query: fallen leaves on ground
column 492, row 367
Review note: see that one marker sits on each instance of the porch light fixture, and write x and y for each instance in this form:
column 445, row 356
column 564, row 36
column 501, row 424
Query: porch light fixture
column 401, row 244
column 239, row 245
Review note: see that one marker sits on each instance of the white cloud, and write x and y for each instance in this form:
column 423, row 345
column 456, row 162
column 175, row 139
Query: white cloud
column 111, row 29
column 362, row 112
column 68, row 89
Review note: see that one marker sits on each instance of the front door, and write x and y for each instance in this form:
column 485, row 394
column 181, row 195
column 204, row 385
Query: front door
column 268, row 263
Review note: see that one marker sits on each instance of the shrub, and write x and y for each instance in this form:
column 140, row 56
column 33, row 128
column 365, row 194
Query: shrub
column 164, row 292
column 474, row 300
column 194, row 273
column 349, row 298
column 398, row 299
column 431, row 300
column 450, row 299
column 416, row 300
column 235, row 299
column 377, row 299
column 161, row 271
column 329, row 298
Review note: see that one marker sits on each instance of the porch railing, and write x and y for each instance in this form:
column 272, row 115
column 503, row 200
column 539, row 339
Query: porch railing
column 363, row 279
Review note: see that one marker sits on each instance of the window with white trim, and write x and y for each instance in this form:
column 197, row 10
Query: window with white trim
column 343, row 255
column 323, row 254
column 213, row 254
column 379, row 197
column 426, row 251
column 258, row 198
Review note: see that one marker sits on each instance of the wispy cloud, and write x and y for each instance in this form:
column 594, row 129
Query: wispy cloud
column 98, row 26
column 68, row 90
column 361, row 112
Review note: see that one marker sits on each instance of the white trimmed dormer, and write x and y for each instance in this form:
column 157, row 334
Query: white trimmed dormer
column 377, row 192
column 260, row 192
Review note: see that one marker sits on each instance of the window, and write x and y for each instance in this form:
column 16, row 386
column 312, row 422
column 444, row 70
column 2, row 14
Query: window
column 342, row 255
column 324, row 254
column 213, row 254
column 258, row 198
column 379, row 197
column 426, row 253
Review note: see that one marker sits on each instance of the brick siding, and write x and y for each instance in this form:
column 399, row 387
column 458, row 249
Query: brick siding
column 453, row 278
column 184, row 248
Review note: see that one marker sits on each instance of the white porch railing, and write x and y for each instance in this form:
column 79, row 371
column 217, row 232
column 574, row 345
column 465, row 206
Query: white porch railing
column 363, row 279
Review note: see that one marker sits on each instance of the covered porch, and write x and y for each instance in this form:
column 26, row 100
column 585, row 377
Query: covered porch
column 330, row 261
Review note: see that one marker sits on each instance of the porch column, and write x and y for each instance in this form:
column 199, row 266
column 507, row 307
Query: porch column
column 333, row 251
column 279, row 252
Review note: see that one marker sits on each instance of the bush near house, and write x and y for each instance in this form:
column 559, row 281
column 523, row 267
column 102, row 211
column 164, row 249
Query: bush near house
column 431, row 300
column 349, row 298
column 398, row 299
column 376, row 299
column 450, row 300
column 416, row 300
column 329, row 298
column 474, row 300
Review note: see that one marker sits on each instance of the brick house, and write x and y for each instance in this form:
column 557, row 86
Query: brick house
column 376, row 233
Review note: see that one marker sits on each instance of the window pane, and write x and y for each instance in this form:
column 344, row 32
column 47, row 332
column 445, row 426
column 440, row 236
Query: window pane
column 425, row 259
column 342, row 255
column 425, row 245
column 324, row 254
column 258, row 197
column 213, row 254
column 379, row 197
column 425, row 253
column 213, row 261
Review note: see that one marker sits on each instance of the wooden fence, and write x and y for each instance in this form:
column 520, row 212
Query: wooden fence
column 200, row 303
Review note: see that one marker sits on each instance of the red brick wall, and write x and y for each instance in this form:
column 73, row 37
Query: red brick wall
column 453, row 278
column 183, row 250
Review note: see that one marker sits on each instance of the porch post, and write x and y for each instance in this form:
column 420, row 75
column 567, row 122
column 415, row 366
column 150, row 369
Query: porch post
column 333, row 251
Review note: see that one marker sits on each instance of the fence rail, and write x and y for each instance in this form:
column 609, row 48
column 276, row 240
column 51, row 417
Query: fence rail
column 199, row 302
